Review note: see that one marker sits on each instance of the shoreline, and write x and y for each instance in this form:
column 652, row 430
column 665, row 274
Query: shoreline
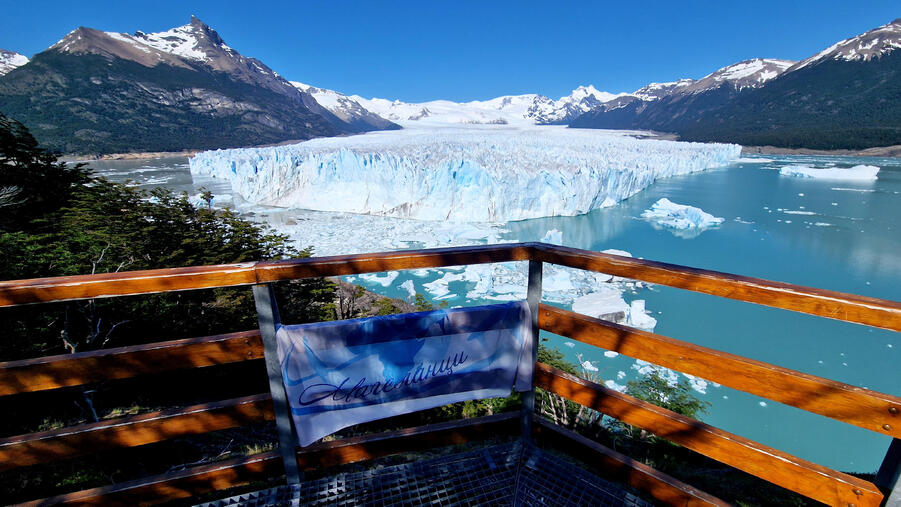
column 881, row 151
column 142, row 155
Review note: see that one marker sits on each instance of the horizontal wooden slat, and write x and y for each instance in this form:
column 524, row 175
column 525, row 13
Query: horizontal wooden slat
column 825, row 303
column 45, row 446
column 367, row 447
column 777, row 467
column 187, row 483
column 126, row 283
column 831, row 304
column 44, row 290
column 868, row 409
column 52, row 372
column 620, row 467
column 271, row 271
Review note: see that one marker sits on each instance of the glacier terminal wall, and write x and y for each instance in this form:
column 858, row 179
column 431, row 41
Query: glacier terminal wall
column 460, row 175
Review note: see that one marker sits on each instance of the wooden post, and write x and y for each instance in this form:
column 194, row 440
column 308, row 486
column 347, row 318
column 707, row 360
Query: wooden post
column 267, row 313
column 533, row 298
column 889, row 476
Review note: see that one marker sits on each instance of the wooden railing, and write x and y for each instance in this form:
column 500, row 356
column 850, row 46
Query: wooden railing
column 877, row 412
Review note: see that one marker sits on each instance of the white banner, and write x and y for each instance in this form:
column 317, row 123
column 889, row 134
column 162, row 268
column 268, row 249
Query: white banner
column 342, row 373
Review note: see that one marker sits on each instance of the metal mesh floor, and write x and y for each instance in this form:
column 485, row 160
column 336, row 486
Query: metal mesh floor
column 506, row 474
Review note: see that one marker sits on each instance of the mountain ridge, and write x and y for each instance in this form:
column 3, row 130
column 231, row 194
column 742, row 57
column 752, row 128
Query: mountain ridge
column 106, row 92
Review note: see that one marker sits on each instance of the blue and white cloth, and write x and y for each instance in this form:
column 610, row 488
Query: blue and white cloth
column 342, row 373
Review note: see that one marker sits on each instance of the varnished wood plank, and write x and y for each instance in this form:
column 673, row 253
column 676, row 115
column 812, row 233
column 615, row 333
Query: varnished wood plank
column 271, row 271
column 51, row 372
column 45, row 290
column 836, row 305
column 192, row 482
column 367, row 447
column 619, row 467
column 790, row 472
column 63, row 443
column 825, row 303
column 66, row 288
column 868, row 409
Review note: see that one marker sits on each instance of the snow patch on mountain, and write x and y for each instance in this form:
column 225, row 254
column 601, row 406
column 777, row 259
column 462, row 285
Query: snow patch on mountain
column 866, row 46
column 344, row 107
column 10, row 60
column 479, row 174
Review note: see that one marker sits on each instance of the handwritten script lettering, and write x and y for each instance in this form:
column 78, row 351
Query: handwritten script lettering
column 362, row 390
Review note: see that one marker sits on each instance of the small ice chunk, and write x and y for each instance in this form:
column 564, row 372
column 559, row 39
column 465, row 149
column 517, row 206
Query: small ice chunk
column 410, row 287
column 605, row 303
column 638, row 316
column 679, row 216
column 384, row 281
column 610, row 384
column 553, row 236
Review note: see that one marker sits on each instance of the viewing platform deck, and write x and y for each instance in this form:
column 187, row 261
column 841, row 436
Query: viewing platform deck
column 510, row 458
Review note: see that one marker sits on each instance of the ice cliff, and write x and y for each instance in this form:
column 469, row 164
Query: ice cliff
column 464, row 175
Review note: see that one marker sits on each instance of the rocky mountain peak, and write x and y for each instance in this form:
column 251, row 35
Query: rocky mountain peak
column 9, row 60
column 867, row 46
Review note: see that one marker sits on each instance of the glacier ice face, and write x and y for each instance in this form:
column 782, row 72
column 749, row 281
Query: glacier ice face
column 856, row 173
column 479, row 174
column 680, row 216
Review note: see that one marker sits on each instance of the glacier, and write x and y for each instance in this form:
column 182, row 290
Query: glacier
column 476, row 174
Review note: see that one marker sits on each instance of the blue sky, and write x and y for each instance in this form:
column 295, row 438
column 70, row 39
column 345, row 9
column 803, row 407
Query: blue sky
column 467, row 50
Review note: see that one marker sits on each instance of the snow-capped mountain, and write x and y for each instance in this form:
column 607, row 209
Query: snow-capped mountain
column 345, row 108
column 184, row 88
column 842, row 97
column 9, row 60
column 865, row 47
column 527, row 109
column 190, row 46
column 581, row 100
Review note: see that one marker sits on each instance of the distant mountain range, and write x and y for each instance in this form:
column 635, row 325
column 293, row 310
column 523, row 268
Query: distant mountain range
column 103, row 92
column 846, row 96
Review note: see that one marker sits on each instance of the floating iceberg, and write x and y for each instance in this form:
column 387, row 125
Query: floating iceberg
column 462, row 175
column 856, row 173
column 680, row 216
column 606, row 302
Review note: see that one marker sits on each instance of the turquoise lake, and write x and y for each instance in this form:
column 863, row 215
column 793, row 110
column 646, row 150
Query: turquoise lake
column 837, row 235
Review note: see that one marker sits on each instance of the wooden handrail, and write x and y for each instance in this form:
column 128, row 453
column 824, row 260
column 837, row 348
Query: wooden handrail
column 825, row 303
column 65, row 370
column 128, row 283
column 132, row 431
column 790, row 472
column 854, row 405
column 658, row 485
